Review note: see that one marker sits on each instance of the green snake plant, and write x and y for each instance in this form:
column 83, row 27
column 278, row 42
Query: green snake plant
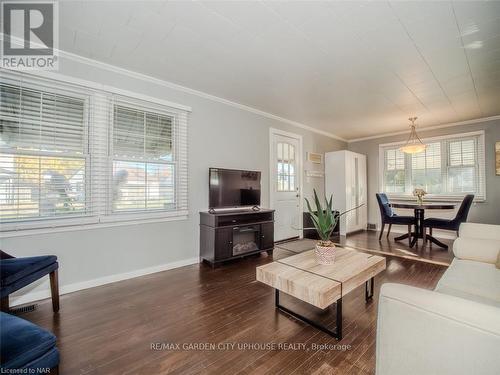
column 324, row 219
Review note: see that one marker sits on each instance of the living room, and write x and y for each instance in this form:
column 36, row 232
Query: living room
column 159, row 163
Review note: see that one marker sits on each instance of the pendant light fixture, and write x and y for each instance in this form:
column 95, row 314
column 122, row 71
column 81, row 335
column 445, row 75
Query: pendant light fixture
column 413, row 145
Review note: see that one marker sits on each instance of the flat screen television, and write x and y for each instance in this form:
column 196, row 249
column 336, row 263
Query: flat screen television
column 233, row 188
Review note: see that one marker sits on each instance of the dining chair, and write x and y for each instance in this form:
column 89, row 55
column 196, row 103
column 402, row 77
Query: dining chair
column 389, row 217
column 450, row 224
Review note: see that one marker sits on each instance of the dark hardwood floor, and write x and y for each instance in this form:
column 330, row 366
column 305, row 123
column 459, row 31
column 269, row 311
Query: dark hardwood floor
column 110, row 329
column 368, row 240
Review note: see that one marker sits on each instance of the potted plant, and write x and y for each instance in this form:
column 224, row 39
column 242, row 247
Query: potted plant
column 324, row 220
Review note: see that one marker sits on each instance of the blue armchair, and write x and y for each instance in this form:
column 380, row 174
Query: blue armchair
column 25, row 346
column 16, row 273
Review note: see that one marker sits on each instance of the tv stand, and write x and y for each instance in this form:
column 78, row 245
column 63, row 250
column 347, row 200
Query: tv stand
column 235, row 234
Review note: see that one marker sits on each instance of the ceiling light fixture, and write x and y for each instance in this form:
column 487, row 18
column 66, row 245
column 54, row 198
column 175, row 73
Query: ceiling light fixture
column 413, row 145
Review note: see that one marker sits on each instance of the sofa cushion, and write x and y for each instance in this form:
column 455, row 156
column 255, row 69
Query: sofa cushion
column 11, row 270
column 24, row 344
column 480, row 250
column 472, row 280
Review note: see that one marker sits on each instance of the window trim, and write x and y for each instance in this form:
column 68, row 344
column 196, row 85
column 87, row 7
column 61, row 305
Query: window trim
column 97, row 214
column 479, row 197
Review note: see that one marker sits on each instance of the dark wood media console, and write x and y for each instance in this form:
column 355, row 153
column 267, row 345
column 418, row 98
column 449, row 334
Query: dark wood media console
column 234, row 234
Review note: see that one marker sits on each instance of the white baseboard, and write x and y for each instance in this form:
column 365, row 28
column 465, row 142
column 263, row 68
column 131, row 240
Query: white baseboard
column 70, row 288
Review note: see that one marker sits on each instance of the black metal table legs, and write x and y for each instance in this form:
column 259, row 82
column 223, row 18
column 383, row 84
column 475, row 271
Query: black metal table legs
column 337, row 330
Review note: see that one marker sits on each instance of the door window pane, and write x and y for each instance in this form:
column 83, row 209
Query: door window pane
column 285, row 167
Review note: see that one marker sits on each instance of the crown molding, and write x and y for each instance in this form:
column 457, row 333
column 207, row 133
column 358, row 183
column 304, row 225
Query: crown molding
column 440, row 126
column 174, row 86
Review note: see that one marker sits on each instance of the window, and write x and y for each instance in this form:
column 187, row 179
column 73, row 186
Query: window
column 76, row 155
column 462, row 176
column 450, row 167
column 148, row 160
column 394, row 174
column 143, row 160
column 426, row 170
column 43, row 154
column 286, row 166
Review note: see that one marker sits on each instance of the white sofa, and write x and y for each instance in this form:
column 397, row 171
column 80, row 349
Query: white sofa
column 453, row 329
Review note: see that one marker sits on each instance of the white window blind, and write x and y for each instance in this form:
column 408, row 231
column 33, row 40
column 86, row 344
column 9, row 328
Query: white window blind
column 426, row 169
column 72, row 155
column 394, row 172
column 44, row 156
column 450, row 167
column 149, row 158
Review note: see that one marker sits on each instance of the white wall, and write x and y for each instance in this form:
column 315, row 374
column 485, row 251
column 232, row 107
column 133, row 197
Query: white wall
column 220, row 135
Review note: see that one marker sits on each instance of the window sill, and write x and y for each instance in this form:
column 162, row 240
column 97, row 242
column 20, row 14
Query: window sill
column 87, row 224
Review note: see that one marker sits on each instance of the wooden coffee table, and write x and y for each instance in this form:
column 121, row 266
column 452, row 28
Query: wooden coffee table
column 322, row 285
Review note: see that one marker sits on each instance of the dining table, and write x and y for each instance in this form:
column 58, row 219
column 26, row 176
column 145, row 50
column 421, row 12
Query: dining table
column 419, row 211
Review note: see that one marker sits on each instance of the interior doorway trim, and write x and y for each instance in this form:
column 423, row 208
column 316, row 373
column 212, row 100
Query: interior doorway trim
column 272, row 133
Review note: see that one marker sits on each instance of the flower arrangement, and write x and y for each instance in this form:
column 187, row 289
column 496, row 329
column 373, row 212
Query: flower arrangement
column 419, row 193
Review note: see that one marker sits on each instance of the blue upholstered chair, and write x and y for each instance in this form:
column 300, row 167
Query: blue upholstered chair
column 389, row 217
column 16, row 273
column 447, row 224
column 24, row 345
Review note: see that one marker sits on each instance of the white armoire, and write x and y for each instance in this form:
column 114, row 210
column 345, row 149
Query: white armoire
column 345, row 179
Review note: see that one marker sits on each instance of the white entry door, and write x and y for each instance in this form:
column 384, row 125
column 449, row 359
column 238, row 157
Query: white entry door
column 286, row 194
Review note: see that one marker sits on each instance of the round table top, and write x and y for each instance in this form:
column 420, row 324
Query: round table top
column 425, row 206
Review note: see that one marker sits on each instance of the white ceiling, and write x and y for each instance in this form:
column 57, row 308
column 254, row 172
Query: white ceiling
column 354, row 69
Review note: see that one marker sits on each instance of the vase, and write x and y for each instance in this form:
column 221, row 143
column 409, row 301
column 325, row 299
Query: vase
column 325, row 254
column 420, row 201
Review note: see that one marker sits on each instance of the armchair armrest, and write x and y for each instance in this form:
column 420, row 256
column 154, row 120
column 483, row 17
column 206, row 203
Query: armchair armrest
column 4, row 255
column 425, row 332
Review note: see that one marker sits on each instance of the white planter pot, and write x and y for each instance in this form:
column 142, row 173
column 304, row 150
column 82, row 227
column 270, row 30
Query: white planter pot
column 325, row 254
